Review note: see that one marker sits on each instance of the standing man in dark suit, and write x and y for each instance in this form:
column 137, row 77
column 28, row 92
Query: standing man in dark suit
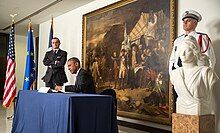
column 55, row 60
column 84, row 80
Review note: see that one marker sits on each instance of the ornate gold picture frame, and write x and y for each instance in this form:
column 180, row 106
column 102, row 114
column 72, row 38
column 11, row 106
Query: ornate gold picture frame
column 126, row 46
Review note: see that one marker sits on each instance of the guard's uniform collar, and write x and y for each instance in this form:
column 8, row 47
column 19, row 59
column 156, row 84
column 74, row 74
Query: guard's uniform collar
column 191, row 33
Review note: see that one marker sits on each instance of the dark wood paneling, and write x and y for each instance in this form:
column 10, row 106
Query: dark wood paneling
column 36, row 60
column 3, row 56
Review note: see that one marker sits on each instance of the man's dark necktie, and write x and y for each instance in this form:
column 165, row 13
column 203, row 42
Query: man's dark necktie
column 54, row 54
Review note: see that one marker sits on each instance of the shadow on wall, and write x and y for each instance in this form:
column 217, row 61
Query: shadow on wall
column 216, row 92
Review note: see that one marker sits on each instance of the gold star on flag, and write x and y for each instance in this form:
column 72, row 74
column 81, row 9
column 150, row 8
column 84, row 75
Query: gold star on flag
column 26, row 79
column 34, row 68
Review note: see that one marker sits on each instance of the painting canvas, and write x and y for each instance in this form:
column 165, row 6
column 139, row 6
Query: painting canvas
column 126, row 47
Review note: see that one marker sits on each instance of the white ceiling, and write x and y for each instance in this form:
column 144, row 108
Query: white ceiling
column 37, row 10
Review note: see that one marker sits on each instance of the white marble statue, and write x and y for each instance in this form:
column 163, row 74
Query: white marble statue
column 193, row 81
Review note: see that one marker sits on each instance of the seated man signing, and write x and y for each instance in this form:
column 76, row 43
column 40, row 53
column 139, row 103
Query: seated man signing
column 84, row 81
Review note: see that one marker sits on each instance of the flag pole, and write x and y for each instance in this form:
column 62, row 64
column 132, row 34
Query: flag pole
column 30, row 69
column 12, row 116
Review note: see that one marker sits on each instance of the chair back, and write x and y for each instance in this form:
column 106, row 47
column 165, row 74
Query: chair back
column 112, row 93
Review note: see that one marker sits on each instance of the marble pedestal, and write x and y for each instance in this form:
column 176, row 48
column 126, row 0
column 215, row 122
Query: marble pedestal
column 182, row 123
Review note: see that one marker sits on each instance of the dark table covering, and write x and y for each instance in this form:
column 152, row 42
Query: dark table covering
column 64, row 113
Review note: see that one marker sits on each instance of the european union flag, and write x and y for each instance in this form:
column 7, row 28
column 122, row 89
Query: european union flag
column 51, row 34
column 30, row 71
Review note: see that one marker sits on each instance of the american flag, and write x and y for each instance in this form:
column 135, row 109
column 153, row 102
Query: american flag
column 10, row 80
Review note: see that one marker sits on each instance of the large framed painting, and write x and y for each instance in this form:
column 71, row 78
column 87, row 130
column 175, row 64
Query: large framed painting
column 126, row 47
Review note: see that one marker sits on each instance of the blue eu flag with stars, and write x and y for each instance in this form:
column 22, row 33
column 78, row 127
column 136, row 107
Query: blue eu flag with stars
column 30, row 71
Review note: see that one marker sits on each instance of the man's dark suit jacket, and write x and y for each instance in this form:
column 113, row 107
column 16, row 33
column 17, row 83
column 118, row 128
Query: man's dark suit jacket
column 84, row 83
column 55, row 71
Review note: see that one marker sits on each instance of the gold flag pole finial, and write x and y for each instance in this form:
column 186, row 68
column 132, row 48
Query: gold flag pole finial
column 29, row 23
column 12, row 17
column 29, row 20
column 51, row 21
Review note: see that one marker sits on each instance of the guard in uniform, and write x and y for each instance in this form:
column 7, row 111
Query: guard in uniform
column 190, row 20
